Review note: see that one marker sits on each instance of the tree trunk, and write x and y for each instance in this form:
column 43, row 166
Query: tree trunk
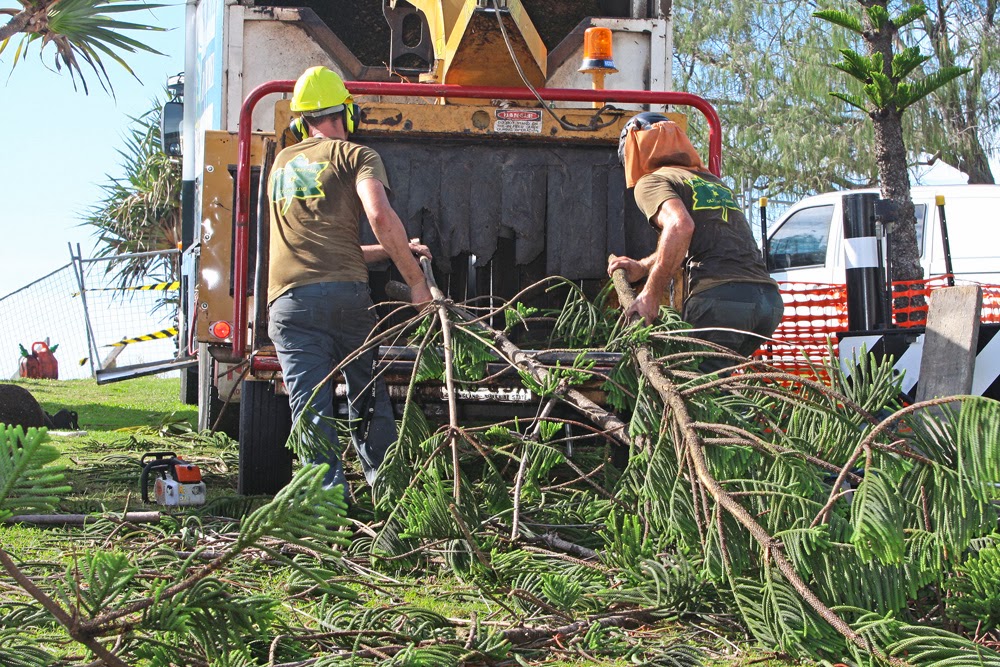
column 969, row 155
column 904, row 260
column 958, row 106
column 890, row 152
column 16, row 25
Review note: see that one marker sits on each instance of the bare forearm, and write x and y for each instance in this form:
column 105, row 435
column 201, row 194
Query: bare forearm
column 664, row 265
column 676, row 228
column 374, row 253
column 389, row 232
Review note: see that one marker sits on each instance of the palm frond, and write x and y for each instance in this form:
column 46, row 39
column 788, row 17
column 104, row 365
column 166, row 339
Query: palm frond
column 81, row 31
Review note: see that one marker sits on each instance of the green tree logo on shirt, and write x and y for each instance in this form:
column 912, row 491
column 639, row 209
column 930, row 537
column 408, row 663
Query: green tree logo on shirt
column 708, row 195
column 298, row 179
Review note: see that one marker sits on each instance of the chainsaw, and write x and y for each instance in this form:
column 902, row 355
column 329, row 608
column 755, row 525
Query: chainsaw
column 177, row 482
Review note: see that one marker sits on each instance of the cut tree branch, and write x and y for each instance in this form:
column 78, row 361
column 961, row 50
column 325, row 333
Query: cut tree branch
column 674, row 401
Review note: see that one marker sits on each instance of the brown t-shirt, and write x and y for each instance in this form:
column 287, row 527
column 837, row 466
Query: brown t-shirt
column 315, row 211
column 722, row 247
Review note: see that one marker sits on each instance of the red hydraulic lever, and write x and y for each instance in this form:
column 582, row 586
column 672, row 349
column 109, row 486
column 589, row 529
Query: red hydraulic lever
column 358, row 88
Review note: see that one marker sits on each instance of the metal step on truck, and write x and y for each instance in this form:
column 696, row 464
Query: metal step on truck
column 497, row 120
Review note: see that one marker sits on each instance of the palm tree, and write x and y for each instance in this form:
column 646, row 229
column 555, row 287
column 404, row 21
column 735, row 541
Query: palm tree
column 83, row 31
column 140, row 211
column 886, row 95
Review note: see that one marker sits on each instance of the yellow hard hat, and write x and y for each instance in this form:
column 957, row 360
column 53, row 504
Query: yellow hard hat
column 321, row 88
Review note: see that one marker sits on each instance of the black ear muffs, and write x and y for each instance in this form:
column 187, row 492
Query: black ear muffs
column 298, row 129
column 352, row 114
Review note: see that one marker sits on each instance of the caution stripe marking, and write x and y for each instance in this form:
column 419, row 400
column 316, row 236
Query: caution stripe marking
column 163, row 333
column 908, row 355
column 156, row 287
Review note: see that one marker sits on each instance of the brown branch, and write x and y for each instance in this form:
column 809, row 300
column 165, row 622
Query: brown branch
column 553, row 541
column 673, row 399
column 869, row 441
column 522, row 468
column 522, row 636
column 612, row 426
column 15, row 25
column 468, row 536
column 82, row 519
column 449, row 372
column 746, row 438
column 71, row 623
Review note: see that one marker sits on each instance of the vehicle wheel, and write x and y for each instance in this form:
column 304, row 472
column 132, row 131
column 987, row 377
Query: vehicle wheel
column 265, row 422
column 189, row 386
column 228, row 417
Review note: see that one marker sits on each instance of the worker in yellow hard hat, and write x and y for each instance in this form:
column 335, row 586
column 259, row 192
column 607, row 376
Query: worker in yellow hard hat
column 319, row 306
column 731, row 298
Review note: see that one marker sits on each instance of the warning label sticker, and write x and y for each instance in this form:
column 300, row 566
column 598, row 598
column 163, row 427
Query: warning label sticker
column 518, row 121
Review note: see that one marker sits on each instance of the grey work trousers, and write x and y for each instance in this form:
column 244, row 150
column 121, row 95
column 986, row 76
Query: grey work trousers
column 756, row 308
column 314, row 328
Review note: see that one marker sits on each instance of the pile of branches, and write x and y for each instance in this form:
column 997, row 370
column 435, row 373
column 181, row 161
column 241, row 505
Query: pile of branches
column 823, row 519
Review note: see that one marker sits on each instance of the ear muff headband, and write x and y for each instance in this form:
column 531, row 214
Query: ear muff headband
column 352, row 114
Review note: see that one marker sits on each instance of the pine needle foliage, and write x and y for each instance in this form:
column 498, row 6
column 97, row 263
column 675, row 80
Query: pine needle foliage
column 29, row 481
column 828, row 521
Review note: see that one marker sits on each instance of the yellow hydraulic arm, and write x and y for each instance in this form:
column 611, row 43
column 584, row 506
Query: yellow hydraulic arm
column 469, row 46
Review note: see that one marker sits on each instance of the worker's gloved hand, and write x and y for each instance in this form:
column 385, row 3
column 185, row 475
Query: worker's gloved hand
column 634, row 270
column 420, row 294
column 646, row 306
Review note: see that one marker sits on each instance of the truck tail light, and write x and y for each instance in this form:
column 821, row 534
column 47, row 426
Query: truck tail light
column 221, row 329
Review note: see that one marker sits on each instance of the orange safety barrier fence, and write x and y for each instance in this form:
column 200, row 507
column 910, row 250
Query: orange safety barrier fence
column 816, row 312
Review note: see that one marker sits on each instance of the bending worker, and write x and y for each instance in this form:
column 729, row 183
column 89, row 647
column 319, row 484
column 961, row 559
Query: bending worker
column 320, row 308
column 699, row 221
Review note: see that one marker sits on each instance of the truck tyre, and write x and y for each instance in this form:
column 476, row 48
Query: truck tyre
column 230, row 415
column 189, row 386
column 265, row 422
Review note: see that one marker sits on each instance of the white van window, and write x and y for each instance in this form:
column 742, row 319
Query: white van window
column 920, row 212
column 801, row 240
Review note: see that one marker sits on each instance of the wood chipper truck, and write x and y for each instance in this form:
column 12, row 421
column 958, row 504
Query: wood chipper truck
column 499, row 133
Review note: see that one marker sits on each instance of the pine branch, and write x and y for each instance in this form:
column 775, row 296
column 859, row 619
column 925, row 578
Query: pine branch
column 449, row 372
column 522, row 466
column 868, row 442
column 694, row 447
column 71, row 623
column 612, row 426
column 287, row 514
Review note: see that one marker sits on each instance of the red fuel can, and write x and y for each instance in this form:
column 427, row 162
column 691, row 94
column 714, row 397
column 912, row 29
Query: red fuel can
column 40, row 364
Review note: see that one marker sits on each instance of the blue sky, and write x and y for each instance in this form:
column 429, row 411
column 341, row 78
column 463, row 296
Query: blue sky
column 60, row 145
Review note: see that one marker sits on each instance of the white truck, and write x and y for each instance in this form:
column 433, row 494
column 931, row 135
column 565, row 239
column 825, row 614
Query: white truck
column 807, row 243
column 807, row 251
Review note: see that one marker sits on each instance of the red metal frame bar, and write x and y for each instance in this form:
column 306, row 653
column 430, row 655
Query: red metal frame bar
column 359, row 88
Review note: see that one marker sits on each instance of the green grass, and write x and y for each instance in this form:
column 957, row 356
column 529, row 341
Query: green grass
column 121, row 422
column 144, row 401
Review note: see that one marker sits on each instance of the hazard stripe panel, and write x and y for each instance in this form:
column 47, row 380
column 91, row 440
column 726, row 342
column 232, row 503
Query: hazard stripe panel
column 157, row 335
column 156, row 287
column 906, row 347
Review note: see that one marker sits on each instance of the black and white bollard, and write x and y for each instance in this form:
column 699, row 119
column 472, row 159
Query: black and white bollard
column 865, row 275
